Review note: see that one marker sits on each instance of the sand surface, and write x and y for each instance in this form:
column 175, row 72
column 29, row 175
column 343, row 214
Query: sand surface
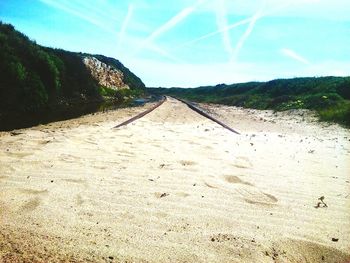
column 176, row 187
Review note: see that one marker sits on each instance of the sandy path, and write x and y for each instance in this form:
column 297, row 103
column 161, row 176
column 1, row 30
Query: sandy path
column 176, row 187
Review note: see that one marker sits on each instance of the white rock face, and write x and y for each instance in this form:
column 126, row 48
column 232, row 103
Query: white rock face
column 105, row 75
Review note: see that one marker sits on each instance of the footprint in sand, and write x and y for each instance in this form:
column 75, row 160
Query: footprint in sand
column 208, row 147
column 77, row 181
column 236, row 180
column 31, row 205
column 254, row 196
column 242, row 162
column 250, row 193
column 211, row 186
column 187, row 163
column 69, row 158
column 33, row 191
column 182, row 194
column 79, row 200
column 232, row 179
column 20, row 154
column 247, row 191
column 160, row 195
column 35, row 198
column 44, row 142
column 80, row 182
column 100, row 167
column 90, row 141
column 192, row 142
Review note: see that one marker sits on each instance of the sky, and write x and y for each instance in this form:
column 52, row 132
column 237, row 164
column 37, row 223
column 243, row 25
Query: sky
column 190, row 43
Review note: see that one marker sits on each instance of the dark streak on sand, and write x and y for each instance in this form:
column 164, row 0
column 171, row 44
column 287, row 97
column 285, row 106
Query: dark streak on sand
column 189, row 104
column 142, row 114
column 206, row 115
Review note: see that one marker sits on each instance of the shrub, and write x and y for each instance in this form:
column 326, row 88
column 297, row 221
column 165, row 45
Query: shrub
column 340, row 114
column 344, row 89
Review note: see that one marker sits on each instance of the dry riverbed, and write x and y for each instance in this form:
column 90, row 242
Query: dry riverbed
column 176, row 187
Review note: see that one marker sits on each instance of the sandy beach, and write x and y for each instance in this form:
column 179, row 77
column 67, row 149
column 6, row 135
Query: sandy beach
column 174, row 186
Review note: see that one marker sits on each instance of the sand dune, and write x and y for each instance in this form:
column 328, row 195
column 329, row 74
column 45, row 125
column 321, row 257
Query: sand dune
column 176, row 187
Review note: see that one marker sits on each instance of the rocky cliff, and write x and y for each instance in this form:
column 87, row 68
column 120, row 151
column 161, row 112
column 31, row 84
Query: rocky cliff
column 106, row 75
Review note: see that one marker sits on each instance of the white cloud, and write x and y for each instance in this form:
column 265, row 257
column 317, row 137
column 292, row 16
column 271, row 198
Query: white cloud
column 166, row 74
column 155, row 73
column 294, row 55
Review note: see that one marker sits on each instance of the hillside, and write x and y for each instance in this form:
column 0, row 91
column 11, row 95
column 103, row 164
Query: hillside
column 329, row 96
column 35, row 78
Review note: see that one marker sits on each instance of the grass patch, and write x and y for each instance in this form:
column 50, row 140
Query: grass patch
column 339, row 113
column 107, row 92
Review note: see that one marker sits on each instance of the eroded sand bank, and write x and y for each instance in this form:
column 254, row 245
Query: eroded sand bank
column 176, row 187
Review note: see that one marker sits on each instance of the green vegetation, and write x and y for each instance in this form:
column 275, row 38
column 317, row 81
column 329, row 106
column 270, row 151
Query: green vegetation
column 129, row 93
column 107, row 92
column 35, row 78
column 339, row 113
column 329, row 96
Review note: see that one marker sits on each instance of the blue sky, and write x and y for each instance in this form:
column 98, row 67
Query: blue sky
column 190, row 43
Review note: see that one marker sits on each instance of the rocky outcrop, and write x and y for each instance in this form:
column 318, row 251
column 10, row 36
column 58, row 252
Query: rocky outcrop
column 106, row 75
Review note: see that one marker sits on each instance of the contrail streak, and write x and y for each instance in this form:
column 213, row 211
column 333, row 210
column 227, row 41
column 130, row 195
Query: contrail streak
column 246, row 34
column 105, row 12
column 221, row 21
column 232, row 26
column 227, row 28
column 124, row 26
column 76, row 13
column 294, row 55
column 163, row 53
column 169, row 24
